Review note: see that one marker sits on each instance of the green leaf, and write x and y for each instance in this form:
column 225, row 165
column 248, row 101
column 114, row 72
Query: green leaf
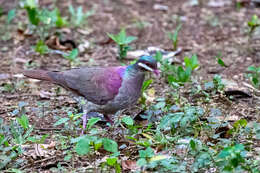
column 129, row 39
column 240, row 123
column 191, row 62
column 10, row 15
column 111, row 161
column 98, row 144
column 92, row 122
column 72, row 55
column 170, row 119
column 141, row 162
column 110, row 145
column 192, row 144
column 128, row 120
column 33, row 15
column 67, row 157
column 41, row 47
column 221, row 62
column 113, row 37
column 146, row 84
column 121, row 38
column 175, row 37
column 23, row 121
column 158, row 56
column 147, row 153
column 61, row 121
column 82, row 147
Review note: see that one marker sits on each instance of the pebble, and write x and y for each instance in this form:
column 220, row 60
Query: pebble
column 160, row 7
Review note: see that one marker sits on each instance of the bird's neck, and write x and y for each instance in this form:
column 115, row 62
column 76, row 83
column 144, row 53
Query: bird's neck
column 133, row 70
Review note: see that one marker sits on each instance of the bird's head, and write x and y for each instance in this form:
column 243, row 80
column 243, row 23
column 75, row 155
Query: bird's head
column 147, row 63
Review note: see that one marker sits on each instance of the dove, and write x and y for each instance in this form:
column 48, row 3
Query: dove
column 105, row 89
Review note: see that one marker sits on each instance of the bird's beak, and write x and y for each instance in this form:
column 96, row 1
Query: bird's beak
column 146, row 67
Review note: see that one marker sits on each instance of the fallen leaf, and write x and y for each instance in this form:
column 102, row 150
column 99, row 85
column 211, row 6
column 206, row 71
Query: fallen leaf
column 159, row 157
column 129, row 165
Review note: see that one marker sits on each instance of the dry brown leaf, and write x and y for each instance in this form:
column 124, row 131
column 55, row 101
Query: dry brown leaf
column 129, row 165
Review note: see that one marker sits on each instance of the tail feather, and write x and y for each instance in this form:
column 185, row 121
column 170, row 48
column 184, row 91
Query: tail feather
column 38, row 74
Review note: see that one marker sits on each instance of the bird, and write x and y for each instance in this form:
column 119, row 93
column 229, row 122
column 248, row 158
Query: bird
column 106, row 90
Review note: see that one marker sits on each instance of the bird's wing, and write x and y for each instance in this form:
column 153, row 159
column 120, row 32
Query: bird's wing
column 98, row 85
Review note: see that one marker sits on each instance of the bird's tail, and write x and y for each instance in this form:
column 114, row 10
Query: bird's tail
column 38, row 74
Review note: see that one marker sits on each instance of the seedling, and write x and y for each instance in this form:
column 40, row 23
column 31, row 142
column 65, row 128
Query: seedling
column 174, row 74
column 254, row 76
column 41, row 48
column 42, row 19
column 145, row 155
column 78, row 17
column 174, row 37
column 72, row 56
column 145, row 86
column 113, row 162
column 253, row 24
column 122, row 40
column 220, row 61
column 231, row 158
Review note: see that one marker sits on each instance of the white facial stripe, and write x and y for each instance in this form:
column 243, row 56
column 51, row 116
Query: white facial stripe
column 145, row 66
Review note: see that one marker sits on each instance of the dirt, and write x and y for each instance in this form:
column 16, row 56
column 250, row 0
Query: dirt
column 206, row 31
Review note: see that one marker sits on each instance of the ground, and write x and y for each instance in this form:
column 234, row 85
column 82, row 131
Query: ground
column 207, row 31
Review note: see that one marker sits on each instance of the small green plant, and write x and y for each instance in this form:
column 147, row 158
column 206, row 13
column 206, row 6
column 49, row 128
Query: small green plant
column 78, row 17
column 253, row 24
column 232, row 158
column 174, row 37
column 177, row 74
column 87, row 143
column 41, row 48
column 254, row 76
column 72, row 57
column 216, row 85
column 145, row 86
column 14, row 136
column 122, row 40
column 113, row 162
column 8, row 87
column 43, row 19
column 145, row 155
column 220, row 61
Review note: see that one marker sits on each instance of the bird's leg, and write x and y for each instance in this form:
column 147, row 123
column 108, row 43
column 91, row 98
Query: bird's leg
column 84, row 119
column 82, row 104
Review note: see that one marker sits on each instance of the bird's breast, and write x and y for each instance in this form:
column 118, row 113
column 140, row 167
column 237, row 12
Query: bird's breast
column 128, row 94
